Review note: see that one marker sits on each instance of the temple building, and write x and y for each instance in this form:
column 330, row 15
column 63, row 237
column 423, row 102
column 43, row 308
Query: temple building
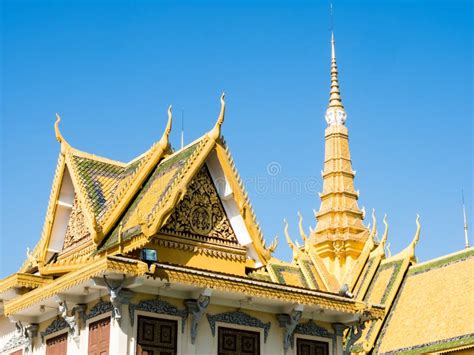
column 164, row 255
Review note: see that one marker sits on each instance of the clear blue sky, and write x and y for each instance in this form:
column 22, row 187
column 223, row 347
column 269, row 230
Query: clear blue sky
column 110, row 68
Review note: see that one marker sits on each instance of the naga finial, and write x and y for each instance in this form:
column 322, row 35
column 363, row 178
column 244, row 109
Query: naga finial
column 274, row 245
column 410, row 249
column 59, row 136
column 164, row 141
column 300, row 224
column 385, row 233
column 287, row 236
column 216, row 131
column 373, row 232
column 416, row 238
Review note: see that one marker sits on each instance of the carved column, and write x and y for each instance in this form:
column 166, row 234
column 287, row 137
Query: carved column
column 339, row 329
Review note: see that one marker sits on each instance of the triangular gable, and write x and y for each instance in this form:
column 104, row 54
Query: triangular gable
column 168, row 185
column 200, row 214
column 82, row 183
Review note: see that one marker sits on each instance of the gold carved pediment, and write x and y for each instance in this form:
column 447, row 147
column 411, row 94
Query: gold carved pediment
column 200, row 213
column 77, row 230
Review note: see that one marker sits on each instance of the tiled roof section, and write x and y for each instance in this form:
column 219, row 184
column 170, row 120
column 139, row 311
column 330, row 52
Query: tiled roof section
column 442, row 292
column 150, row 195
column 382, row 290
column 99, row 179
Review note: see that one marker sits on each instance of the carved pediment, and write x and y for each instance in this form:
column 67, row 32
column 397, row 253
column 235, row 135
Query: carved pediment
column 77, row 230
column 200, row 213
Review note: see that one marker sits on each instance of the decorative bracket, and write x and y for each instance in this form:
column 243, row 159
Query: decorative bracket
column 289, row 322
column 239, row 318
column 23, row 336
column 196, row 308
column 75, row 320
column 118, row 296
column 160, row 307
column 355, row 333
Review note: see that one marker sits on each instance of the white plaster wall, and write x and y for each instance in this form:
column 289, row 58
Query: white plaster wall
column 123, row 334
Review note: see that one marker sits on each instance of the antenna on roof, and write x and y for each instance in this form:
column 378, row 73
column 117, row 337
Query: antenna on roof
column 466, row 238
column 182, row 128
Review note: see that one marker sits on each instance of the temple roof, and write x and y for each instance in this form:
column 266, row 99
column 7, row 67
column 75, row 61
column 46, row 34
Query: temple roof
column 442, row 293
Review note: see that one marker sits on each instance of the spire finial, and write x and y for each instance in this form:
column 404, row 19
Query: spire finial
column 335, row 113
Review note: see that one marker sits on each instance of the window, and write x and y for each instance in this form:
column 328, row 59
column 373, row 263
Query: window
column 311, row 347
column 238, row 342
column 99, row 337
column 157, row 336
column 57, row 345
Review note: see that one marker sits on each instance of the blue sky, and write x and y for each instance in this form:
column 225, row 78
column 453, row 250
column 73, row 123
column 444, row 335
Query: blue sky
column 111, row 69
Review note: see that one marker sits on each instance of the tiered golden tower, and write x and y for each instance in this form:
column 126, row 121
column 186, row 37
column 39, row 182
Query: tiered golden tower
column 340, row 235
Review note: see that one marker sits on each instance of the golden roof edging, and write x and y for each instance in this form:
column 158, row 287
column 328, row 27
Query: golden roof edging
column 353, row 275
column 375, row 329
column 134, row 182
column 330, row 282
column 135, row 268
column 41, row 246
column 23, row 280
column 244, row 204
column 199, row 248
column 160, row 212
column 164, row 208
column 82, row 195
column 231, row 283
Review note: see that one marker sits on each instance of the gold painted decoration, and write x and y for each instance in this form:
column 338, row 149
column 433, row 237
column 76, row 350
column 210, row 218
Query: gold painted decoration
column 77, row 230
column 200, row 212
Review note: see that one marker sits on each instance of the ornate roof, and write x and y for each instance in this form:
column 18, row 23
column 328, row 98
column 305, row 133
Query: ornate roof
column 441, row 292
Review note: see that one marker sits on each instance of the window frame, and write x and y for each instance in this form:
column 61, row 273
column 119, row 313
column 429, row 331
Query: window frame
column 93, row 320
column 313, row 338
column 247, row 328
column 134, row 331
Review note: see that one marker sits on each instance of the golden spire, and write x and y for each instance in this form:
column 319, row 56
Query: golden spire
column 335, row 113
column 340, row 235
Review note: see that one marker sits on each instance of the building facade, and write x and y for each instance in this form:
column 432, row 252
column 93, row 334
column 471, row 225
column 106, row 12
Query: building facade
column 164, row 255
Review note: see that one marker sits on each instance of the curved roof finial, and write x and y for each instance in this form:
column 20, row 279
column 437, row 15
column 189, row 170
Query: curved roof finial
column 385, row 233
column 216, row 131
column 300, row 224
column 59, row 136
column 416, row 238
column 287, row 235
column 164, row 141
column 410, row 249
column 373, row 232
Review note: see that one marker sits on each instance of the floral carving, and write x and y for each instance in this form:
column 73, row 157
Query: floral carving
column 200, row 212
column 100, row 308
column 239, row 318
column 160, row 307
column 55, row 326
column 77, row 228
